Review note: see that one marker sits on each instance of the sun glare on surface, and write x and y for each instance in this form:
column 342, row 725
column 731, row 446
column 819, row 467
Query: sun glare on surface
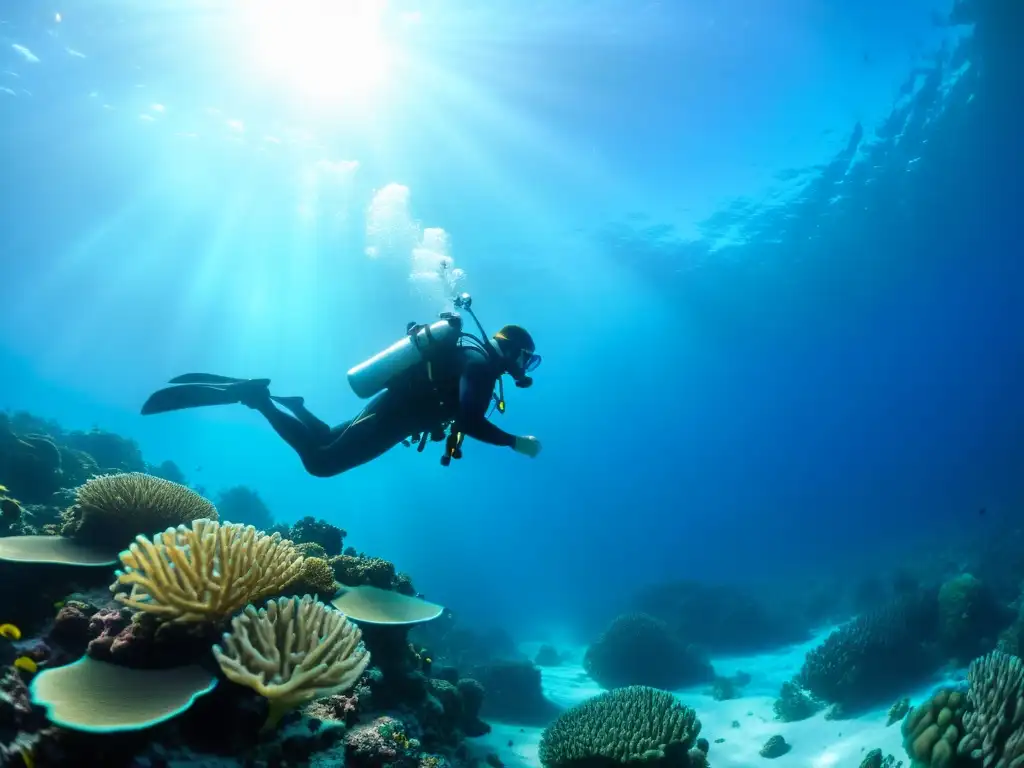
column 330, row 51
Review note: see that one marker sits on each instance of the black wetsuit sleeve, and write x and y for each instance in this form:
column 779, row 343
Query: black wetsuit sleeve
column 475, row 389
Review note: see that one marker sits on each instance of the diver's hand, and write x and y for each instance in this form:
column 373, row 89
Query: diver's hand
column 528, row 445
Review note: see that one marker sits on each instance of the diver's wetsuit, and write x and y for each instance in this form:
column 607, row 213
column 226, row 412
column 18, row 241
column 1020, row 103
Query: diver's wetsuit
column 460, row 390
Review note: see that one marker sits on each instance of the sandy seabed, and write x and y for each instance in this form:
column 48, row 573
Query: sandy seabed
column 816, row 742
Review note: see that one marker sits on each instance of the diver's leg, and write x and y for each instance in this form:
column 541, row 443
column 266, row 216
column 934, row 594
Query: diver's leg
column 378, row 429
column 303, row 440
column 297, row 406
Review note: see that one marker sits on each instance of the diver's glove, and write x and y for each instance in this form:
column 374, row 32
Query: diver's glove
column 528, row 445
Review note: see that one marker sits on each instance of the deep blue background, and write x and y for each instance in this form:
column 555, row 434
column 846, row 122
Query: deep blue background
column 764, row 357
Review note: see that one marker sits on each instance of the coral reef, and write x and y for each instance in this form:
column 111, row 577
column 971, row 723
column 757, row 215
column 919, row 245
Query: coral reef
column 472, row 695
column 315, row 576
column 292, row 651
column 205, row 571
column 630, row 725
column 725, row 688
column 637, row 649
column 312, row 549
column 358, row 571
column 110, row 510
column 970, row 617
column 110, row 452
column 30, row 464
column 31, row 609
column 547, row 656
column 932, row 731
column 309, row 530
column 795, row 704
column 719, row 619
column 994, row 722
column 513, row 692
column 874, row 759
column 897, row 711
column 241, row 504
column 302, row 688
column 875, row 655
column 168, row 470
column 22, row 726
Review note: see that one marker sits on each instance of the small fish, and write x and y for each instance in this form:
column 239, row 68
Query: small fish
column 981, row 511
column 59, row 604
column 10, row 632
column 27, row 664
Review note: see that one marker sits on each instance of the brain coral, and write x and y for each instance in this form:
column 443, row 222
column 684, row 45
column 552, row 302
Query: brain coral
column 111, row 510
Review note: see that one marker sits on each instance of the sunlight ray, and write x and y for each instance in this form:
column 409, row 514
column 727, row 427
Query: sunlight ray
column 74, row 266
column 118, row 297
column 204, row 294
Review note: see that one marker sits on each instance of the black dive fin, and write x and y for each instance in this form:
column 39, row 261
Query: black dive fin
column 204, row 378
column 198, row 395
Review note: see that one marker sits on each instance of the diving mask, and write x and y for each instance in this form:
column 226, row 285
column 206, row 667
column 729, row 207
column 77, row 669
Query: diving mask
column 522, row 365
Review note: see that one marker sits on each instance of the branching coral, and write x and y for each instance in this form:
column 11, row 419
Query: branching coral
column 292, row 651
column 205, row 572
column 994, row 722
column 113, row 509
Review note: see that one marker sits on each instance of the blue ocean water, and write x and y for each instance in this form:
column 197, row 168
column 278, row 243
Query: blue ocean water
column 769, row 254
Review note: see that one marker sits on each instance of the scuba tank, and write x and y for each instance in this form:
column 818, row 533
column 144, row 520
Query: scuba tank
column 419, row 344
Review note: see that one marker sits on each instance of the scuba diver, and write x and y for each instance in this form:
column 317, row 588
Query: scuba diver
column 438, row 383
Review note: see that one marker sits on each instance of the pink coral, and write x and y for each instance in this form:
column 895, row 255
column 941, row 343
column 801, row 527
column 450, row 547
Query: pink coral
column 377, row 743
column 104, row 627
column 337, row 708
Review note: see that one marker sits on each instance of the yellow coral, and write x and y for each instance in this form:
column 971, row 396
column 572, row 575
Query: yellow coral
column 318, row 577
column 10, row 632
column 205, row 571
column 26, row 664
column 292, row 651
column 311, row 549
